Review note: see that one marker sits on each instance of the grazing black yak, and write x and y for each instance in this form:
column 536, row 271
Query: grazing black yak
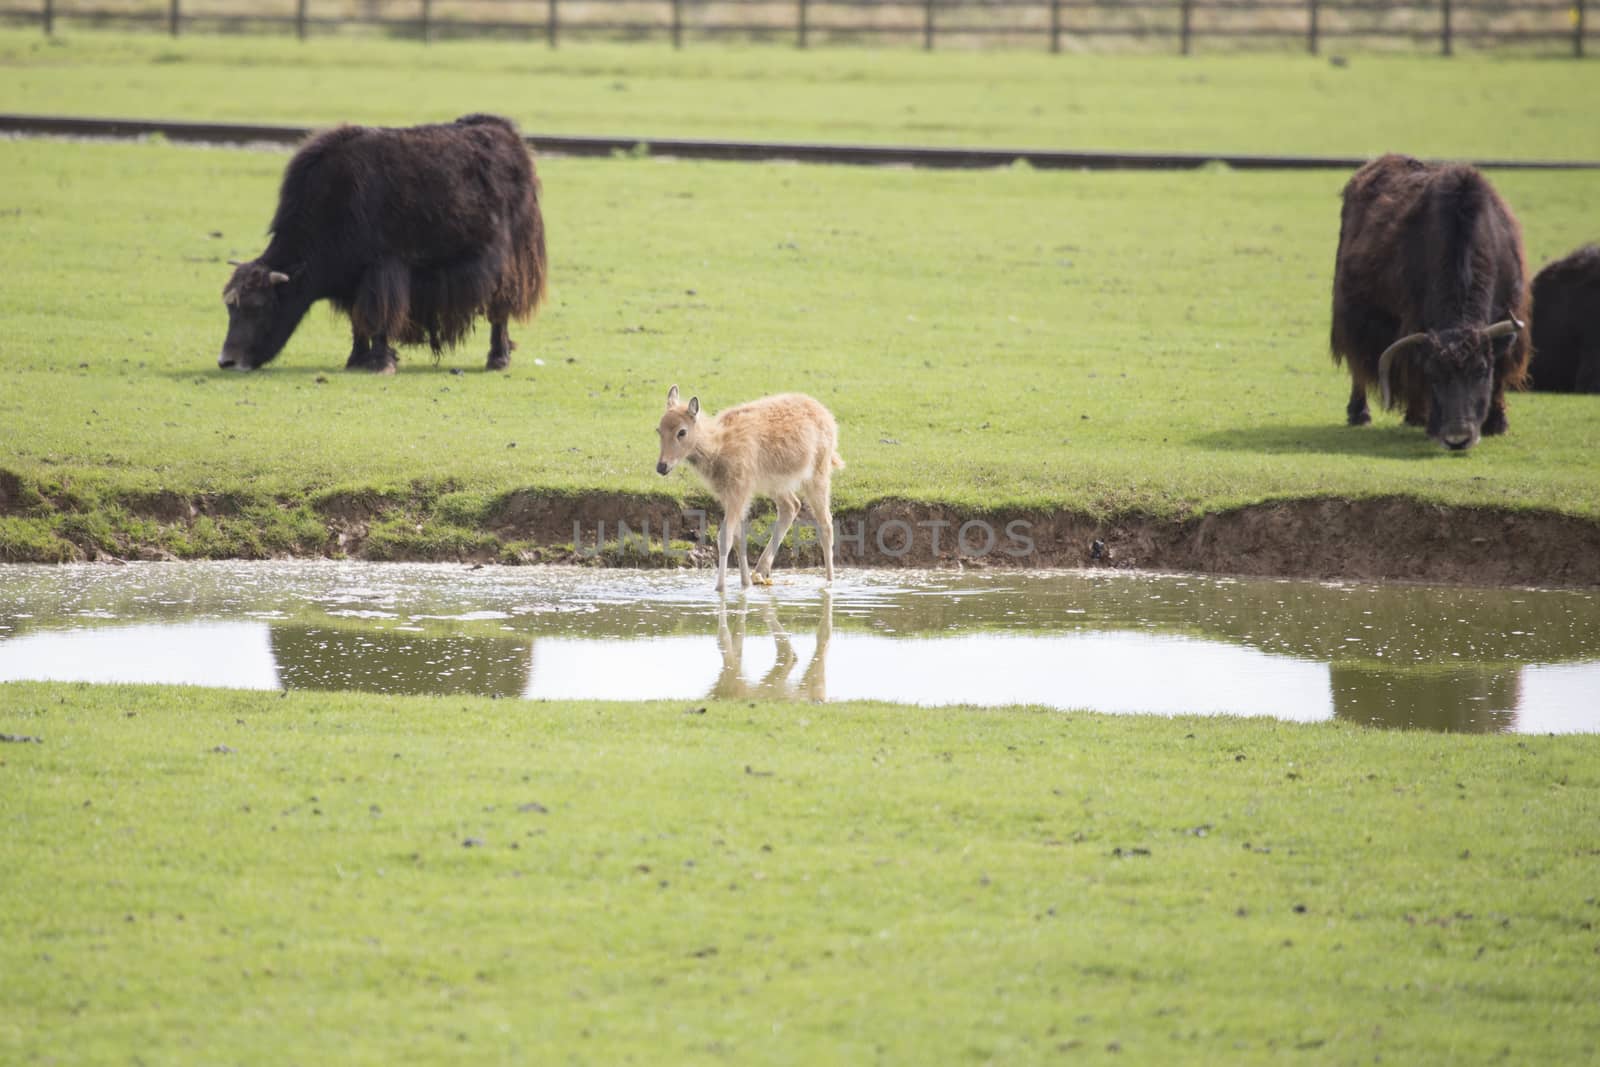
column 1566, row 324
column 1430, row 294
column 413, row 233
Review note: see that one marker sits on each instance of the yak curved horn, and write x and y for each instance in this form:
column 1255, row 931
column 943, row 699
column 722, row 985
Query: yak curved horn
column 1386, row 361
column 277, row 277
column 1511, row 324
column 235, row 262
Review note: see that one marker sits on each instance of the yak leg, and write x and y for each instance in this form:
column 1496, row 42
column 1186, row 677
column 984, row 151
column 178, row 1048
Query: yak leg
column 500, row 345
column 788, row 508
column 1495, row 422
column 1588, row 378
column 1356, row 412
column 372, row 354
column 381, row 308
column 360, row 352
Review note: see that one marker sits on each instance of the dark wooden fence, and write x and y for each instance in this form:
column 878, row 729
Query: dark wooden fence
column 1059, row 25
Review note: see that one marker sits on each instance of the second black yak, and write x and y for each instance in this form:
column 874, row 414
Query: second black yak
column 1430, row 295
column 1566, row 324
column 411, row 232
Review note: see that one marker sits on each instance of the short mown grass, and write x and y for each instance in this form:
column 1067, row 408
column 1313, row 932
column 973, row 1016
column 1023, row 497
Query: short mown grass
column 1473, row 106
column 209, row 876
column 1110, row 343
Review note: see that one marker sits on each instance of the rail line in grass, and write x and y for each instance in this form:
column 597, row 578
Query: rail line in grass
column 235, row 133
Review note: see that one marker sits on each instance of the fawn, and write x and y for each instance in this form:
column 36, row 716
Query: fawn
column 779, row 446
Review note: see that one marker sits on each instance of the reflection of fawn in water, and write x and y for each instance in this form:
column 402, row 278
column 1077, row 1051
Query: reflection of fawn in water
column 775, row 684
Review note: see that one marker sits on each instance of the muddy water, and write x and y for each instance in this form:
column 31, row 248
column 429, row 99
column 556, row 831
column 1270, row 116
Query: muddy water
column 1402, row 656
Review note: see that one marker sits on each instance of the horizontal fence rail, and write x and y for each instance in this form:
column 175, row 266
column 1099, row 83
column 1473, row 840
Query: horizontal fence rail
column 1439, row 25
column 744, row 151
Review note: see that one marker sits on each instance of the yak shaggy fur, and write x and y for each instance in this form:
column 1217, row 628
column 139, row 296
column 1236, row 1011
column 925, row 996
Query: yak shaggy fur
column 1426, row 248
column 1566, row 324
column 411, row 232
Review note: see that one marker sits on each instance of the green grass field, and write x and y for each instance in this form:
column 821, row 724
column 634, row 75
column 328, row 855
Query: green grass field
column 1107, row 343
column 1471, row 106
column 466, row 881
column 196, row 876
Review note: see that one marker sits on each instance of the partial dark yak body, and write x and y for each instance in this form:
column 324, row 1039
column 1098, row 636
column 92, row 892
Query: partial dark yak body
column 1566, row 324
column 413, row 233
column 1429, row 296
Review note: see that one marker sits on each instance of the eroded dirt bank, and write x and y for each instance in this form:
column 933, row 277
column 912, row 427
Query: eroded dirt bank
column 1382, row 539
column 1365, row 540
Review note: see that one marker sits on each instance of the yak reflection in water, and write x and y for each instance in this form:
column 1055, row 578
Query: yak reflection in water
column 775, row 683
column 1483, row 700
column 1415, row 657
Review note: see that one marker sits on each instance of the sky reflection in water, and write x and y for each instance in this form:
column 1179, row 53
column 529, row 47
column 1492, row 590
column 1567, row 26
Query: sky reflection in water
column 1433, row 658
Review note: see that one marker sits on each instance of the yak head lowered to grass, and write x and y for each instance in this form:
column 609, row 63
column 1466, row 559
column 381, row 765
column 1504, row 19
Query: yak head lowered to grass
column 1458, row 369
column 1430, row 293
column 262, row 315
column 414, row 233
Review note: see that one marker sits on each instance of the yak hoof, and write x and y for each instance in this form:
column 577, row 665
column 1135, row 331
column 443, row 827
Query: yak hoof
column 500, row 358
column 378, row 362
column 1359, row 418
column 1495, row 424
column 388, row 366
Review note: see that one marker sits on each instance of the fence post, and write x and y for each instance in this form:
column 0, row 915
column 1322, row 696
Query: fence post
column 427, row 21
column 1446, row 45
column 1185, row 28
column 173, row 15
column 1577, row 29
column 1311, row 28
column 300, row 19
column 50, row 18
column 927, row 25
column 677, row 23
column 552, row 23
column 801, row 25
column 1055, row 26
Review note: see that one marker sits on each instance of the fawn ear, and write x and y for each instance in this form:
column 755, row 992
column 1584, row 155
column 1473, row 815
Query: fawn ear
column 694, row 406
column 672, row 397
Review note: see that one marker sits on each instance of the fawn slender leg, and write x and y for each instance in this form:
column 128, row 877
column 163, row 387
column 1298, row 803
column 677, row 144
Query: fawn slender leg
column 816, row 494
column 788, row 508
column 731, row 529
column 744, row 551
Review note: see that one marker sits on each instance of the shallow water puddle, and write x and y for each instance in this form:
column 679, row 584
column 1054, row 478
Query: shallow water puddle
column 1432, row 658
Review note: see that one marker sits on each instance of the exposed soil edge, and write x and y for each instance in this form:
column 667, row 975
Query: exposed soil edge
column 1376, row 539
column 1382, row 539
